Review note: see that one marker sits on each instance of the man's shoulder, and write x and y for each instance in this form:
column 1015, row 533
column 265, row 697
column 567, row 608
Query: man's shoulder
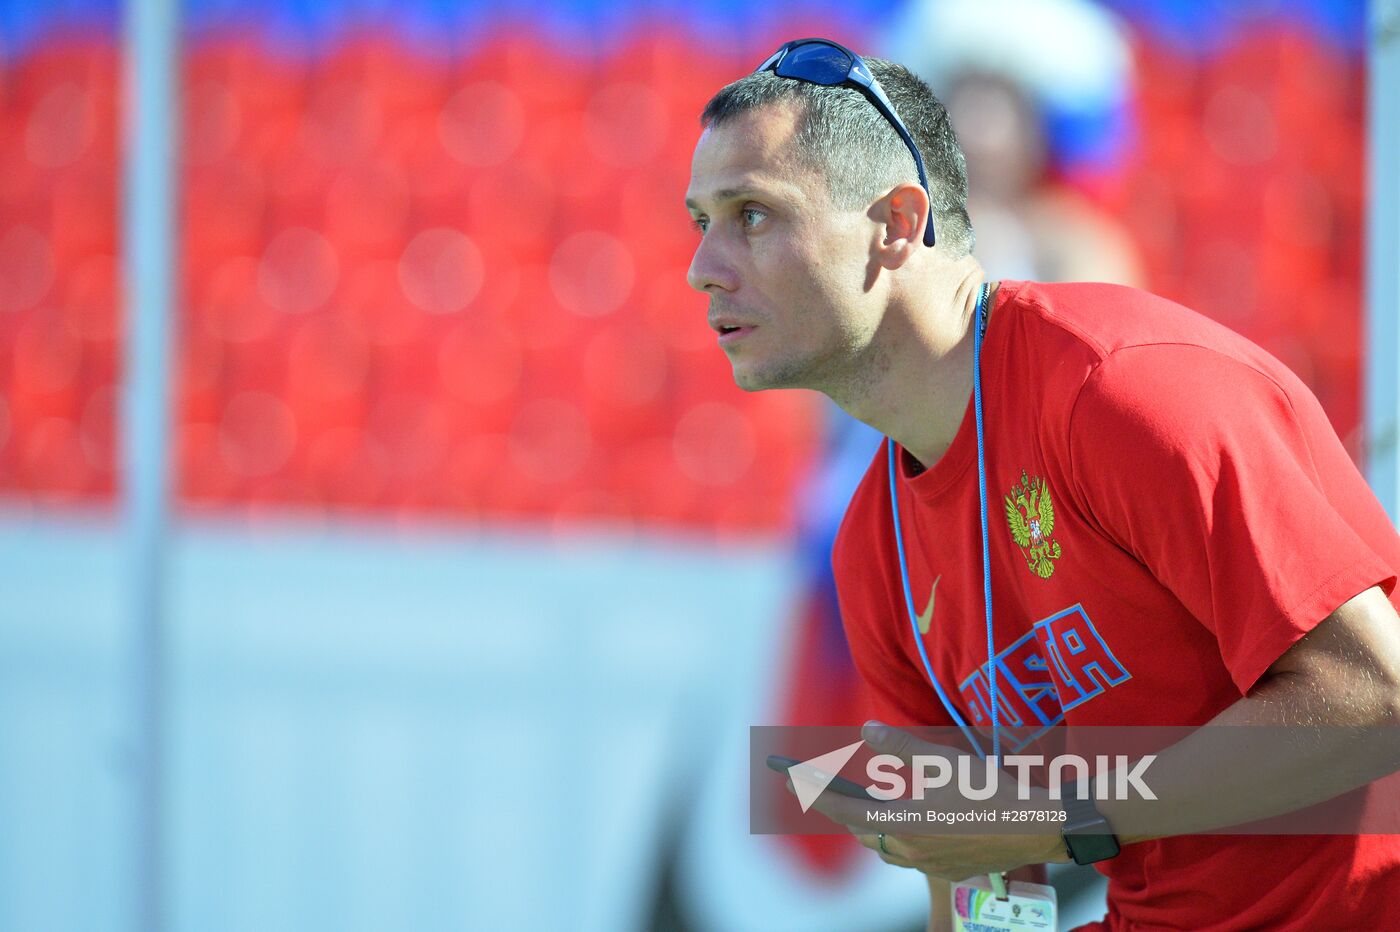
column 1092, row 335
column 1106, row 318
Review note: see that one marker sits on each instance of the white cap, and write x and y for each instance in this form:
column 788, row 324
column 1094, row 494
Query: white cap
column 1071, row 55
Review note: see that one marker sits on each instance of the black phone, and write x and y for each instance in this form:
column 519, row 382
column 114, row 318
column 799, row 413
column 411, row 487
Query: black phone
column 839, row 784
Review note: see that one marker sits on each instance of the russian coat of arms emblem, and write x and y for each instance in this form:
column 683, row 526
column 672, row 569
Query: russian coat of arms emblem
column 1030, row 513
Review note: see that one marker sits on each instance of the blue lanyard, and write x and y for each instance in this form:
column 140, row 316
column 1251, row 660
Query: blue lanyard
column 979, row 330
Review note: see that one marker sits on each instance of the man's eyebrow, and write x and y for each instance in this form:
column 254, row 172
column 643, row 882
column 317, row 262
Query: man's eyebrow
column 726, row 194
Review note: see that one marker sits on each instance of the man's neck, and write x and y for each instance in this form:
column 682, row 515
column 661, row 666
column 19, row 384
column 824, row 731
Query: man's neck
column 919, row 393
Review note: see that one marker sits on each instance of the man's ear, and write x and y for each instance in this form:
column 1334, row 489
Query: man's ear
column 901, row 215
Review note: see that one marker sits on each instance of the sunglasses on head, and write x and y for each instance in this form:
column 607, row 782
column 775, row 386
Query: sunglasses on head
column 831, row 64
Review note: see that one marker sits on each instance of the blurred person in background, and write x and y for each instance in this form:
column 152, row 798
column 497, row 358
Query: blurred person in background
column 1037, row 91
column 813, row 255
column 1027, row 224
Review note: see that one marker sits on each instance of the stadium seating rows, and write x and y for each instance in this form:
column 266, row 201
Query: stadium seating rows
column 456, row 287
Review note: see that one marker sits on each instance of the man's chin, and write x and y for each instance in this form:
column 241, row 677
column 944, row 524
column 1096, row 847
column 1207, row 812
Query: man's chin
column 754, row 380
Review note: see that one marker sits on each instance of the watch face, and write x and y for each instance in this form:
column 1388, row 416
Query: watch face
column 1087, row 849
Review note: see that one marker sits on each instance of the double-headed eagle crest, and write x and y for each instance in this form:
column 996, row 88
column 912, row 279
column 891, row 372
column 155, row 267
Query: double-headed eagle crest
column 1031, row 516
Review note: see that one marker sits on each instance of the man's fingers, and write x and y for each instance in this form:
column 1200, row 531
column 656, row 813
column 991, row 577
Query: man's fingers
column 891, row 854
column 887, row 739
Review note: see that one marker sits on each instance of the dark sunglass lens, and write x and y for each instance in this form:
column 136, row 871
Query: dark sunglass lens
column 817, row 63
column 768, row 62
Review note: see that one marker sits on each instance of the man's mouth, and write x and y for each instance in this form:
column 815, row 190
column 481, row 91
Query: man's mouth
column 729, row 333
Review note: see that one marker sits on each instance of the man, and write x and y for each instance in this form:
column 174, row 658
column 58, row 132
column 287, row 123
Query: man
column 1171, row 515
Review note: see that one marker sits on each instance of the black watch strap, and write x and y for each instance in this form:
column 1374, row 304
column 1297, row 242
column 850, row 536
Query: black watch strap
column 1087, row 835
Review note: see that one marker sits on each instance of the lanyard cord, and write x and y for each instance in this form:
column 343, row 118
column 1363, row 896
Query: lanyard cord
column 979, row 330
column 982, row 313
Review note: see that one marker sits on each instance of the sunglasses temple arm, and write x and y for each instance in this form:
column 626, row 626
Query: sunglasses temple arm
column 929, row 233
column 876, row 95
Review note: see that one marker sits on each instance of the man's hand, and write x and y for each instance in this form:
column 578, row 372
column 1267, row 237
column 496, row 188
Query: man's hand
column 947, row 857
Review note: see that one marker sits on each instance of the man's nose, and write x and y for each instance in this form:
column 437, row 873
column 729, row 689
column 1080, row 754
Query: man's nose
column 708, row 267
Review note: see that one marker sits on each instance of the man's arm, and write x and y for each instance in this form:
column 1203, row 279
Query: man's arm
column 1341, row 681
column 1333, row 699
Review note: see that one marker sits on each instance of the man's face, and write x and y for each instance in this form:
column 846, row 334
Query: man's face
column 782, row 265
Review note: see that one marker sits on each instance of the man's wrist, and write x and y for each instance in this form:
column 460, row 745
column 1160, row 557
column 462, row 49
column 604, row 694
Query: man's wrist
column 1087, row 835
column 1050, row 850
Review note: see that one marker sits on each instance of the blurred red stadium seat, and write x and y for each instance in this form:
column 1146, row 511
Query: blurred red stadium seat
column 459, row 285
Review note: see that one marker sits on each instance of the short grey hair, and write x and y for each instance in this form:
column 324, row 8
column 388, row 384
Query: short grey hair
column 844, row 137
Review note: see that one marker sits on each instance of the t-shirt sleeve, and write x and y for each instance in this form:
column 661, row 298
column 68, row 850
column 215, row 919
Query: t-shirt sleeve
column 1199, row 466
column 896, row 692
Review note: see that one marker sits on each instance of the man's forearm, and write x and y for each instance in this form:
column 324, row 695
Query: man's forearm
column 1320, row 745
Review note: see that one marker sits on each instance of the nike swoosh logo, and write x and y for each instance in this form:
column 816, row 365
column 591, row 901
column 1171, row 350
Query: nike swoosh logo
column 926, row 616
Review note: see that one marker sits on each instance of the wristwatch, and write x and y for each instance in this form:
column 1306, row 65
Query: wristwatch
column 1087, row 835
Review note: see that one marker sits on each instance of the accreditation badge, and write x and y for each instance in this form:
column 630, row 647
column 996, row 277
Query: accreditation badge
column 1028, row 907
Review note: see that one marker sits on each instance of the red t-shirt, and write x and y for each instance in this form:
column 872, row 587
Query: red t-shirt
column 1170, row 511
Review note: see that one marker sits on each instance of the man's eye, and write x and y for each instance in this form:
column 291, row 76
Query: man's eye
column 699, row 224
column 752, row 215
